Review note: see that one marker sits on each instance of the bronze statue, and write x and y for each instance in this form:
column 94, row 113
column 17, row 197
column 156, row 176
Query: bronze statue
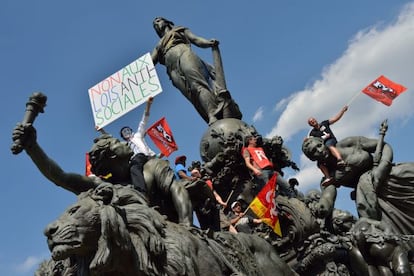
column 112, row 219
column 383, row 191
column 380, row 248
column 191, row 75
column 114, row 229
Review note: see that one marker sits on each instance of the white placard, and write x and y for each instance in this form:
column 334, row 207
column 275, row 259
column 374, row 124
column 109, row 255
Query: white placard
column 124, row 90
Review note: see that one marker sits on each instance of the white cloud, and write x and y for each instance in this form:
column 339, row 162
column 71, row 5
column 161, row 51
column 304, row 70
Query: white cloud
column 309, row 175
column 379, row 50
column 258, row 115
column 373, row 52
column 29, row 264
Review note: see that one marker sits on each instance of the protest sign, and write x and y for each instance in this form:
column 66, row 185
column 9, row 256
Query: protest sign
column 123, row 91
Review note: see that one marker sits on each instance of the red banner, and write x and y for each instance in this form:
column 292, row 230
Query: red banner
column 87, row 165
column 160, row 133
column 384, row 90
column 264, row 205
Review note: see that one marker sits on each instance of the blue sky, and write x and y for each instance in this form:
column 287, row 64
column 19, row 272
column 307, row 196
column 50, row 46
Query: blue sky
column 284, row 61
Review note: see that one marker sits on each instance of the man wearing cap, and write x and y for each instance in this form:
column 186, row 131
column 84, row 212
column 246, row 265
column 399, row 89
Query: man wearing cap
column 180, row 170
column 241, row 221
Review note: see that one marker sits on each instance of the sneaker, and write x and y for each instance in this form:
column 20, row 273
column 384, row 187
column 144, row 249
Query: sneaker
column 327, row 182
column 341, row 163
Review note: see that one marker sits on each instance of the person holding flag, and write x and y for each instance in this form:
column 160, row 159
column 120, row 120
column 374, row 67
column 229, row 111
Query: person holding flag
column 323, row 131
column 240, row 220
column 136, row 141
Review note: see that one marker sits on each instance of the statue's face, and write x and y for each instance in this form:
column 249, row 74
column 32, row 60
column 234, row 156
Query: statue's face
column 159, row 25
column 109, row 155
column 342, row 220
column 314, row 195
column 315, row 149
column 120, row 150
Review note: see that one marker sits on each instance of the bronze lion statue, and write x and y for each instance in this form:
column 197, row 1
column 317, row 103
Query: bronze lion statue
column 111, row 231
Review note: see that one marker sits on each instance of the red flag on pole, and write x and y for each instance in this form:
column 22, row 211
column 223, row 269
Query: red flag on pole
column 87, row 165
column 384, row 90
column 264, row 205
column 160, row 133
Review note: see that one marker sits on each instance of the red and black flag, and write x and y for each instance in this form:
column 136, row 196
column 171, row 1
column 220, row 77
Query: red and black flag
column 384, row 90
column 160, row 133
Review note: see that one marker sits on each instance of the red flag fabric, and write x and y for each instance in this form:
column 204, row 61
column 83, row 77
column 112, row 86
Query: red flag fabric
column 160, row 133
column 384, row 90
column 87, row 165
column 264, row 205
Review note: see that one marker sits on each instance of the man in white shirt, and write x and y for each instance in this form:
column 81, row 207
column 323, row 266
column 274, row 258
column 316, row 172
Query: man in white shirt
column 140, row 148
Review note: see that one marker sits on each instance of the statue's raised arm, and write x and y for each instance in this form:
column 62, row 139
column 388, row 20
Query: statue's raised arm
column 76, row 183
column 110, row 163
column 24, row 138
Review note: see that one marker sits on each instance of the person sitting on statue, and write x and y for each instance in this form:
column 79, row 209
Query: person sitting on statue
column 240, row 220
column 180, row 170
column 108, row 156
column 383, row 191
column 261, row 167
column 220, row 220
column 188, row 73
column 293, row 182
column 140, row 148
column 324, row 131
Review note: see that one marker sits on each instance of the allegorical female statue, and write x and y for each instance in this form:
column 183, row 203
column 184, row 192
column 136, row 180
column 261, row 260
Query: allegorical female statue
column 190, row 74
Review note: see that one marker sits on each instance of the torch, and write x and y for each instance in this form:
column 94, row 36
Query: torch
column 36, row 104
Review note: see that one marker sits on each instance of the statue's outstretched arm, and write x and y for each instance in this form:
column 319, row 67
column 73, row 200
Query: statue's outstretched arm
column 200, row 41
column 75, row 183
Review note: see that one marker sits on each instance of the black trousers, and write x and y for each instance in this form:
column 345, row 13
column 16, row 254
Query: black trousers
column 136, row 170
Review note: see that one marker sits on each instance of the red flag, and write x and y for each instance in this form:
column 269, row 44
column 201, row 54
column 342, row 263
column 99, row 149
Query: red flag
column 264, row 205
column 160, row 133
column 87, row 165
column 384, row 90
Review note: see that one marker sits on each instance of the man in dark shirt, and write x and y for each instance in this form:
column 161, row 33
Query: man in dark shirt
column 323, row 131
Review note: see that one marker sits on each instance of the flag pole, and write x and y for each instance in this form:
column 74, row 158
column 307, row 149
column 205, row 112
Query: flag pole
column 247, row 209
column 354, row 97
column 228, row 198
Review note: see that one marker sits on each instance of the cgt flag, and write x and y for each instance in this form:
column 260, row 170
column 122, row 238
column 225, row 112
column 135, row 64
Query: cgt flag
column 264, row 205
column 384, row 90
column 160, row 133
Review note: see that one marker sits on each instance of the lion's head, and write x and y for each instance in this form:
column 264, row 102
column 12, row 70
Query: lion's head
column 76, row 231
column 102, row 226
